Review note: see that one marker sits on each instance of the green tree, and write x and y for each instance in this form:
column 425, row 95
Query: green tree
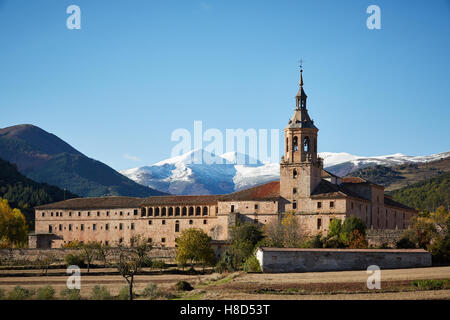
column 194, row 246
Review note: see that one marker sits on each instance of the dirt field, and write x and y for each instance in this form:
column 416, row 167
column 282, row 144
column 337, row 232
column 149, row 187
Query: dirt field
column 395, row 284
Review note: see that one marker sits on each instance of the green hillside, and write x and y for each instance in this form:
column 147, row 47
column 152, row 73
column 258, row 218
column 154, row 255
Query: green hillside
column 400, row 176
column 426, row 195
column 24, row 193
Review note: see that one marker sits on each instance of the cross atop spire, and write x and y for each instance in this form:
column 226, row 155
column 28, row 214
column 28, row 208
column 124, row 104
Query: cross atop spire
column 300, row 64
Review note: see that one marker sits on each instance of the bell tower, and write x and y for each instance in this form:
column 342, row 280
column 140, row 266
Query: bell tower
column 300, row 167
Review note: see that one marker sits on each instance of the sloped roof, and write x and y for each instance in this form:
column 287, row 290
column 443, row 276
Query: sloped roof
column 93, row 203
column 174, row 200
column 264, row 192
column 359, row 180
column 391, row 202
column 330, row 190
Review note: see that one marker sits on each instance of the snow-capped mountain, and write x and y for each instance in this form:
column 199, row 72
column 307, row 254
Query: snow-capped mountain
column 201, row 172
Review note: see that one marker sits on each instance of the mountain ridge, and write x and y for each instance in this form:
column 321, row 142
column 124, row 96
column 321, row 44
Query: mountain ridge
column 44, row 157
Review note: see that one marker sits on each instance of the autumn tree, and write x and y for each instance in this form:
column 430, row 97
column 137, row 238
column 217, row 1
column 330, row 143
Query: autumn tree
column 286, row 233
column 103, row 251
column 89, row 250
column 194, row 246
column 13, row 226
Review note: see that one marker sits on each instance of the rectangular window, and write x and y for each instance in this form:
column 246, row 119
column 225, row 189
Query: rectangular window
column 232, row 208
column 163, row 221
column 60, row 227
column 191, row 222
column 70, row 227
column 135, row 212
column 50, row 229
column 51, row 214
column 319, row 223
column 331, row 204
column 107, row 227
column 149, row 221
column 98, row 213
column 106, row 242
column 149, row 240
column 294, row 191
column 132, row 226
column 89, row 214
column 163, row 240
column 43, row 214
column 79, row 213
column 256, row 207
column 121, row 213
column 205, row 221
column 107, row 213
column 120, row 226
column 82, row 227
column 70, row 214
column 294, row 205
column 319, row 205
column 94, row 227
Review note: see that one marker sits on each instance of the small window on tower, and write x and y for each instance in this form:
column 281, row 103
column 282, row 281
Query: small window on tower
column 294, row 191
column 306, row 145
column 294, row 174
column 294, row 205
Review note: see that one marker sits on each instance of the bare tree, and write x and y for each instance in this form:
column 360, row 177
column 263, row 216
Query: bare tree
column 89, row 251
column 103, row 252
column 131, row 260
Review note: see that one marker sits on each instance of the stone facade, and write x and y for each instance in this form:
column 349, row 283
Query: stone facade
column 314, row 195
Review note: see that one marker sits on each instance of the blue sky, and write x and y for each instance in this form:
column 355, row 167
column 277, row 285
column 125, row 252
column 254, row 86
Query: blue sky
column 138, row 70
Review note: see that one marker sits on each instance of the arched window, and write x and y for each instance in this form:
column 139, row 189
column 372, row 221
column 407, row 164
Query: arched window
column 157, row 212
column 143, row 212
column 205, row 211
column 163, row 213
column 177, row 211
column 198, row 211
column 306, row 144
column 177, row 226
column 171, row 211
column 294, row 174
column 287, row 144
column 184, row 211
column 191, row 211
column 150, row 212
column 295, row 144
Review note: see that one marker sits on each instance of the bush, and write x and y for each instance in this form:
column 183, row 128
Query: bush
column 440, row 249
column 226, row 263
column 124, row 293
column 184, row 286
column 146, row 262
column 2, row 294
column 151, row 291
column 70, row 294
column 74, row 260
column 405, row 243
column 159, row 264
column 20, row 293
column 46, row 293
column 430, row 284
column 100, row 293
column 251, row 265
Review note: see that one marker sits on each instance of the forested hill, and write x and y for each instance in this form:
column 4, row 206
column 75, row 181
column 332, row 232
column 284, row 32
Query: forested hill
column 396, row 177
column 24, row 193
column 426, row 195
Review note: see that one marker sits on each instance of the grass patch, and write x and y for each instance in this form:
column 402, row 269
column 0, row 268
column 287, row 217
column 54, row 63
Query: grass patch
column 431, row 284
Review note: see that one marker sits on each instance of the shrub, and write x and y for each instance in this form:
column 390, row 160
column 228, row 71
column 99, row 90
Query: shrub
column 124, row 293
column 147, row 262
column 440, row 249
column 159, row 264
column 20, row 293
column 430, row 284
column 100, row 293
column 226, row 263
column 2, row 294
column 70, row 294
column 74, row 260
column 46, row 293
column 184, row 286
column 251, row 265
column 405, row 243
column 151, row 291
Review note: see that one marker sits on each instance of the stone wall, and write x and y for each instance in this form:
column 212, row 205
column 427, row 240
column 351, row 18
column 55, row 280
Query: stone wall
column 11, row 255
column 378, row 237
column 274, row 260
